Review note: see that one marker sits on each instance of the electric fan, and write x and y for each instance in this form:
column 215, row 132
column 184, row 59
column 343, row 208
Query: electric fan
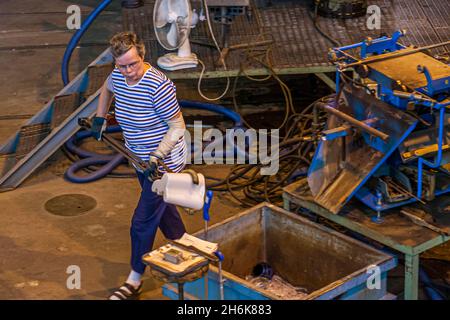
column 172, row 21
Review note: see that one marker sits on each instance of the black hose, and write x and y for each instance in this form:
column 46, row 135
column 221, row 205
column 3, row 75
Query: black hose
column 245, row 183
column 95, row 165
column 319, row 29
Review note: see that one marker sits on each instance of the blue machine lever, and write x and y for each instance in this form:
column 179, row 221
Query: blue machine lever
column 206, row 206
column 219, row 255
column 209, row 195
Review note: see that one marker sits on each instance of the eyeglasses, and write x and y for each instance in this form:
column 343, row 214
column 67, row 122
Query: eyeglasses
column 126, row 66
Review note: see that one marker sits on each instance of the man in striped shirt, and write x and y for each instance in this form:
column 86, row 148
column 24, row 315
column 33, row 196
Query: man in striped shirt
column 147, row 109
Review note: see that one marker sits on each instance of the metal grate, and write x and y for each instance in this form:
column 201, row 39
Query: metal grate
column 141, row 21
column 63, row 106
column 297, row 43
column 29, row 137
column 7, row 161
column 97, row 75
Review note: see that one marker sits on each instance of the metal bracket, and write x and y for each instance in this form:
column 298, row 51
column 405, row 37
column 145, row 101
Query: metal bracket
column 322, row 76
column 430, row 88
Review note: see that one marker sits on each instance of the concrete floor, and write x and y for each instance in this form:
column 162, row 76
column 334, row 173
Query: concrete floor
column 37, row 247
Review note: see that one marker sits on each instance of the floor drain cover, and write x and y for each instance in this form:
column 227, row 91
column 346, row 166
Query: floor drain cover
column 70, row 205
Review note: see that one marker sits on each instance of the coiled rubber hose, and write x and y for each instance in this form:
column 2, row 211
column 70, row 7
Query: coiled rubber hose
column 108, row 161
column 76, row 38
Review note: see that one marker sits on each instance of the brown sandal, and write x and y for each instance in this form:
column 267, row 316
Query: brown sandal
column 126, row 292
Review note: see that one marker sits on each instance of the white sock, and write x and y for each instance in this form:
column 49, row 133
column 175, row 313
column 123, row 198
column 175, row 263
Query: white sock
column 134, row 279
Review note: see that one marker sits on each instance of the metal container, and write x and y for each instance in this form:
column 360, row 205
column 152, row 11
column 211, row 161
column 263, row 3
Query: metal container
column 329, row 265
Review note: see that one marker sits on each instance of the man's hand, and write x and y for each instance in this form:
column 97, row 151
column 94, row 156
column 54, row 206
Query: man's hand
column 153, row 172
column 98, row 127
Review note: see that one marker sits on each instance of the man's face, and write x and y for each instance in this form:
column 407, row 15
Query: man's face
column 131, row 65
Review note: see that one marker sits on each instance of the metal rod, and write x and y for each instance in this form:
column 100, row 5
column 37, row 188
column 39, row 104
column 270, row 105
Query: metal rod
column 116, row 145
column 347, row 54
column 121, row 149
column 180, row 291
column 250, row 44
column 221, row 281
column 395, row 55
column 206, row 279
column 402, row 189
column 421, row 222
column 359, row 124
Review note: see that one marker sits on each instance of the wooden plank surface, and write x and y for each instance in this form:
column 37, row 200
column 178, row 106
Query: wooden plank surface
column 396, row 230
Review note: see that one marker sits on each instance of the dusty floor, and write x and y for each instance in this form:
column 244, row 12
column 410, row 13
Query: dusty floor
column 36, row 247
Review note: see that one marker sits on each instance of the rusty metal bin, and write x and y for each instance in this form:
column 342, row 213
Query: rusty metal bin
column 328, row 264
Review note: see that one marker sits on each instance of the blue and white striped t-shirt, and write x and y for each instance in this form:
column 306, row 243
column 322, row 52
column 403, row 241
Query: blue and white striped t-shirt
column 142, row 110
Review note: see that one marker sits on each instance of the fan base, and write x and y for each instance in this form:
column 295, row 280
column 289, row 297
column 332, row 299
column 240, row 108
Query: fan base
column 172, row 61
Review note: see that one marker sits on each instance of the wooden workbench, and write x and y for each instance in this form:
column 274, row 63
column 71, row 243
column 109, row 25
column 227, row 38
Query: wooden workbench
column 396, row 231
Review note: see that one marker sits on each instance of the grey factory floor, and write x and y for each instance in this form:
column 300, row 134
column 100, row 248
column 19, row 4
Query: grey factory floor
column 37, row 247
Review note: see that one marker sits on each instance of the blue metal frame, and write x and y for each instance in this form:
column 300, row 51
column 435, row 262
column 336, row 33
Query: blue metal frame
column 428, row 96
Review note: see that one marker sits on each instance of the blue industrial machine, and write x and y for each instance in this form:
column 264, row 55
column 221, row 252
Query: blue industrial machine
column 387, row 136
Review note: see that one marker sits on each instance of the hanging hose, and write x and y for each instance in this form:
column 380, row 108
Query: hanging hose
column 211, row 32
column 76, row 38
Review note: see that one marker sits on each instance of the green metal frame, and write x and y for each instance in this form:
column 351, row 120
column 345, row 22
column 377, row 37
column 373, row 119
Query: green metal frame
column 327, row 80
column 176, row 75
column 411, row 252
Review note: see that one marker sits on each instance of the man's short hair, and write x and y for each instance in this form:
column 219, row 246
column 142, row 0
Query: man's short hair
column 124, row 41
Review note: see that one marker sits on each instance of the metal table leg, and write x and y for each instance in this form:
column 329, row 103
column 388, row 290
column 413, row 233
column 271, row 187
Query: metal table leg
column 286, row 204
column 206, row 279
column 411, row 276
column 180, row 291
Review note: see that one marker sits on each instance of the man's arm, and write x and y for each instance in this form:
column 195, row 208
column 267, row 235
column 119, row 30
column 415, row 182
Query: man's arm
column 105, row 99
column 168, row 109
column 176, row 130
column 104, row 102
